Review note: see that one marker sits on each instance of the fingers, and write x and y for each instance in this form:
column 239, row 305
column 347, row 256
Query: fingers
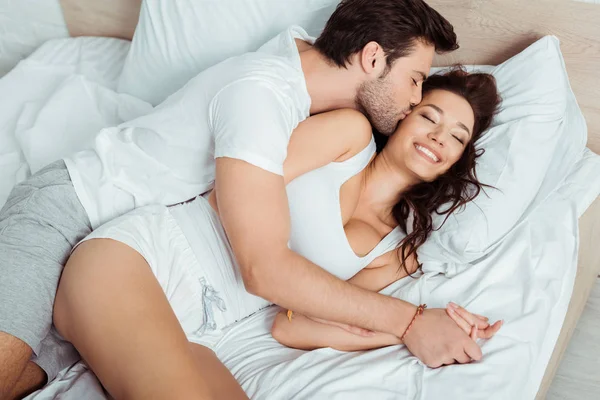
column 474, row 333
column 473, row 350
column 449, row 361
column 467, row 316
column 462, row 324
column 460, row 358
column 491, row 330
column 481, row 317
column 463, row 358
column 485, row 333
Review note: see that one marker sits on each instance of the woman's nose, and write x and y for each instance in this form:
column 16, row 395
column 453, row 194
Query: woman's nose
column 436, row 136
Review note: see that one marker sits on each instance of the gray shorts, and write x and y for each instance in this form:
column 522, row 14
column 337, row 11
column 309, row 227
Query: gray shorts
column 39, row 225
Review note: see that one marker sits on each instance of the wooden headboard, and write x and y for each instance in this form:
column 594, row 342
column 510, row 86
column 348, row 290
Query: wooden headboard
column 111, row 18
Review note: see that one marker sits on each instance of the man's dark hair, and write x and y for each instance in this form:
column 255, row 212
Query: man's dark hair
column 397, row 25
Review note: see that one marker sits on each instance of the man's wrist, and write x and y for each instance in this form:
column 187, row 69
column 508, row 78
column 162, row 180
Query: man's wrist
column 402, row 316
column 418, row 313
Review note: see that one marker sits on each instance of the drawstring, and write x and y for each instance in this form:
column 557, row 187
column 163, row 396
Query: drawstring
column 209, row 297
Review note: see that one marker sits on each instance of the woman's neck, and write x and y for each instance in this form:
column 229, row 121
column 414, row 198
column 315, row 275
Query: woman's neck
column 382, row 187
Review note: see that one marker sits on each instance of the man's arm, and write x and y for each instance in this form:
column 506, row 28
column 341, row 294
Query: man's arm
column 254, row 210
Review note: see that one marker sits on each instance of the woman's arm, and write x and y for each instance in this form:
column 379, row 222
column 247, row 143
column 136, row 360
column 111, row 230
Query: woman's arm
column 302, row 332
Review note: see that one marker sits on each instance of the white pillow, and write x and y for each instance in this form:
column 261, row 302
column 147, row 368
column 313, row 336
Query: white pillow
column 538, row 135
column 176, row 40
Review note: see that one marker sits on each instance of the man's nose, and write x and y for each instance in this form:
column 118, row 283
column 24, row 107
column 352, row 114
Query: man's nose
column 417, row 96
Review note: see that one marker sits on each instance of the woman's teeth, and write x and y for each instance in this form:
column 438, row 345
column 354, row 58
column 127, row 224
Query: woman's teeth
column 428, row 153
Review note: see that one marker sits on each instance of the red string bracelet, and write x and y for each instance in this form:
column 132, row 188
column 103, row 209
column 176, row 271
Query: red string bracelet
column 420, row 310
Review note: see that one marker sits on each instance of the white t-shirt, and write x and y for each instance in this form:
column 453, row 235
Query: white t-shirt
column 245, row 108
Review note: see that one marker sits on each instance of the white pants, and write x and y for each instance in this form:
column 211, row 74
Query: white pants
column 188, row 252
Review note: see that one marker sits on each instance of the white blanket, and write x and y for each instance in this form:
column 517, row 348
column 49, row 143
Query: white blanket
column 526, row 280
column 42, row 99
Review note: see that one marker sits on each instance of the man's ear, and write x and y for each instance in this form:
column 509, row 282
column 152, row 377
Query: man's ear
column 372, row 59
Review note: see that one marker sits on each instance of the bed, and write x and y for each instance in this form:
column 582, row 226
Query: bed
column 490, row 32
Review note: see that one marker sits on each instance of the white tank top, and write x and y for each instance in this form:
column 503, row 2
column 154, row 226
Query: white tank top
column 317, row 233
column 317, row 230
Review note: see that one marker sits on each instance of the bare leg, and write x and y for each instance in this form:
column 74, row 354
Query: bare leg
column 32, row 379
column 111, row 307
column 14, row 356
column 223, row 384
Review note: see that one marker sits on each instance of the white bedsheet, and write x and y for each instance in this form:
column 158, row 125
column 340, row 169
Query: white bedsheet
column 81, row 74
column 527, row 280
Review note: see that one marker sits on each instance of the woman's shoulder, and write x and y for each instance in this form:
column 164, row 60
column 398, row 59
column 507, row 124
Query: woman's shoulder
column 325, row 138
column 357, row 134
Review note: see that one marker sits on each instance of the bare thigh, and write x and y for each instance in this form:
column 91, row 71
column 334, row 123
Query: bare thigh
column 111, row 307
column 223, row 384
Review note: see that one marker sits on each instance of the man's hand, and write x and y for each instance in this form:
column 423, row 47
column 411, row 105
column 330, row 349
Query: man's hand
column 437, row 340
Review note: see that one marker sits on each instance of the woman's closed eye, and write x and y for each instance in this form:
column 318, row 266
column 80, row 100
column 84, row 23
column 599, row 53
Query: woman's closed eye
column 428, row 118
column 459, row 139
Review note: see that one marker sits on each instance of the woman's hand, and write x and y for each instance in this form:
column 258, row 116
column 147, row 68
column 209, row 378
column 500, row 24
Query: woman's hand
column 473, row 325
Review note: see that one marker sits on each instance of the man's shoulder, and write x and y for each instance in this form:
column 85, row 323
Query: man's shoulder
column 253, row 71
column 265, row 81
column 263, row 67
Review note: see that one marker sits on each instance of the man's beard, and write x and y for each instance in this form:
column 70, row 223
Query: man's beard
column 375, row 100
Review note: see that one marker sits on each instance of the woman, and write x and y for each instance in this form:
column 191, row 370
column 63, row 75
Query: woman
column 174, row 269
column 400, row 181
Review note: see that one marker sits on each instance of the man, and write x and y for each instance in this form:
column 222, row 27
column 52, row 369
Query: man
column 373, row 56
